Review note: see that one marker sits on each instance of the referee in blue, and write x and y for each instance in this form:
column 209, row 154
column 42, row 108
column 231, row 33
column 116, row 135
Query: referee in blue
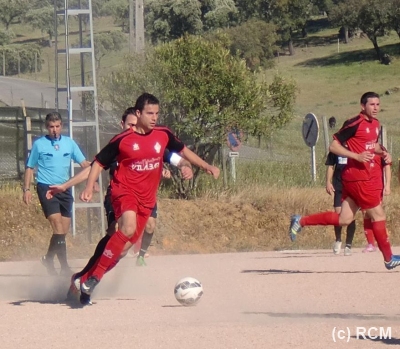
column 52, row 155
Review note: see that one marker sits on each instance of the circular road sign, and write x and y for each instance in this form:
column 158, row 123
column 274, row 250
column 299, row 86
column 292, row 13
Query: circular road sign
column 310, row 129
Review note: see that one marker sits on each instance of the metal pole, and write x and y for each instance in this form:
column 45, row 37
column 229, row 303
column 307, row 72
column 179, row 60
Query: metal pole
column 55, row 56
column 326, row 134
column 131, row 28
column 139, row 26
column 313, row 164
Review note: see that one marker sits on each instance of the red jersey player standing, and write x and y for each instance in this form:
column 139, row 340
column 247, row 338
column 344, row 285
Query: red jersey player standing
column 359, row 192
column 135, row 182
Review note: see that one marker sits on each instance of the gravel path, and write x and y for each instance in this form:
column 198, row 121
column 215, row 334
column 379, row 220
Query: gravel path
column 251, row 300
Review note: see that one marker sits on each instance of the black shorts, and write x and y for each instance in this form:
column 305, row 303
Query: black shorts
column 337, row 198
column 59, row 203
column 110, row 211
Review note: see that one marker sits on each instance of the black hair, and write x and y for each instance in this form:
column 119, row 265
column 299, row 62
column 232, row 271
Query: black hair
column 144, row 99
column 53, row 116
column 130, row 110
column 366, row 96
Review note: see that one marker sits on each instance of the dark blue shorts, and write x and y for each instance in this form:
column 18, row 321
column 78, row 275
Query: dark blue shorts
column 59, row 203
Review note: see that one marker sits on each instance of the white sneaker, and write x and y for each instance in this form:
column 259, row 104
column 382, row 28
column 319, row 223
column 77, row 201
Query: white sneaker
column 347, row 251
column 336, row 247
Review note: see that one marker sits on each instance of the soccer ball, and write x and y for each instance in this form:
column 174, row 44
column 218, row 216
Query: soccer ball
column 188, row 291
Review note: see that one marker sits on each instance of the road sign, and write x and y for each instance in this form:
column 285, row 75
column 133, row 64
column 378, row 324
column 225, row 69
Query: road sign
column 310, row 129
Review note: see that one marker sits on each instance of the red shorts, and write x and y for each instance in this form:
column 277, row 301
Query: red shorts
column 128, row 202
column 364, row 194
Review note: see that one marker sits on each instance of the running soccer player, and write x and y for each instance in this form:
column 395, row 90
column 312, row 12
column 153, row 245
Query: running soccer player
column 361, row 136
column 135, row 183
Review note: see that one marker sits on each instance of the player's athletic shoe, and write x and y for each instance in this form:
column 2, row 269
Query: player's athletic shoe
column 369, row 248
column 295, row 226
column 85, row 299
column 49, row 264
column 74, row 291
column 393, row 263
column 336, row 247
column 140, row 262
column 347, row 251
column 89, row 285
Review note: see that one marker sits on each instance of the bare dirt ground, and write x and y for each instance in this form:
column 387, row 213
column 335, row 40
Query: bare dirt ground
column 295, row 299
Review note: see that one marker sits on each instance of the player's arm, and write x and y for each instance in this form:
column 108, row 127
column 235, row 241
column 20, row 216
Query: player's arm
column 30, row 165
column 78, row 178
column 387, row 172
column 194, row 159
column 27, row 195
column 336, row 148
column 94, row 174
column 382, row 152
column 329, row 175
column 103, row 159
column 176, row 160
column 85, row 164
column 176, row 145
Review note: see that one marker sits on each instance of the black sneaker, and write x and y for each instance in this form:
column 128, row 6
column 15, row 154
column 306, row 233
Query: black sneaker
column 85, row 299
column 49, row 264
column 88, row 286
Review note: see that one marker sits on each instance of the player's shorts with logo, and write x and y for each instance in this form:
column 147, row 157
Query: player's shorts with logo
column 363, row 193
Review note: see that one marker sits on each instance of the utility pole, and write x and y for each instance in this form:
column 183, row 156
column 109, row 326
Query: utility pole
column 139, row 26
column 131, row 28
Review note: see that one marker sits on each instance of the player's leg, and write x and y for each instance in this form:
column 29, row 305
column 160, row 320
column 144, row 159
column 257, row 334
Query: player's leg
column 112, row 251
column 350, row 231
column 147, row 237
column 346, row 216
column 51, row 210
column 378, row 219
column 369, row 234
column 337, row 203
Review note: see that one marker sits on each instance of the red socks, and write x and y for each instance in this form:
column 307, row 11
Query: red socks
column 110, row 255
column 324, row 218
column 369, row 234
column 381, row 237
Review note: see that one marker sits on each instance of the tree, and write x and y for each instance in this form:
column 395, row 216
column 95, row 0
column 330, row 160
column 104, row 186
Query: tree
column 21, row 58
column 12, row 10
column 394, row 15
column 119, row 10
column 254, row 41
column 105, row 43
column 168, row 20
column 218, row 14
column 290, row 16
column 42, row 19
column 373, row 18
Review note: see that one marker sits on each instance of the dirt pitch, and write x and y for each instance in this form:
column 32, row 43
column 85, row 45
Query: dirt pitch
column 251, row 300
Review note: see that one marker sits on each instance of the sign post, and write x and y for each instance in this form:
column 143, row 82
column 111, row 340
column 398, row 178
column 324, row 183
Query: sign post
column 310, row 132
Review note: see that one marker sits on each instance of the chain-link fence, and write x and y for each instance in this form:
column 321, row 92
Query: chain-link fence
column 283, row 158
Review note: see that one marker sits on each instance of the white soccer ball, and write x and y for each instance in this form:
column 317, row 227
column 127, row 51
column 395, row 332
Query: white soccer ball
column 188, row 291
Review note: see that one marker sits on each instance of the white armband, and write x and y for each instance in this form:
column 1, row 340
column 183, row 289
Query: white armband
column 175, row 159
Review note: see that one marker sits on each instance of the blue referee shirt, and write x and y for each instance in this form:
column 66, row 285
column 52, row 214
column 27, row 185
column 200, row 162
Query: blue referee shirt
column 53, row 159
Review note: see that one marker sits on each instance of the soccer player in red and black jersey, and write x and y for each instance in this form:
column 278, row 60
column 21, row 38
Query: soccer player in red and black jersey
column 135, row 182
column 359, row 192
